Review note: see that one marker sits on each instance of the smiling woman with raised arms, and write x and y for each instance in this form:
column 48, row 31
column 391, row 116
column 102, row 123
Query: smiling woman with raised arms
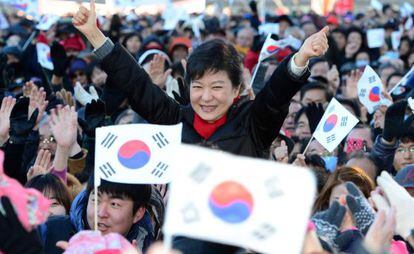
column 215, row 116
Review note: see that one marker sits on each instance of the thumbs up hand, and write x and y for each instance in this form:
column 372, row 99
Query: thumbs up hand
column 85, row 21
column 314, row 46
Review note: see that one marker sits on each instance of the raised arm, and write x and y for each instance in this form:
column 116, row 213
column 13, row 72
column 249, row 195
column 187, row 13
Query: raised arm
column 124, row 73
column 271, row 105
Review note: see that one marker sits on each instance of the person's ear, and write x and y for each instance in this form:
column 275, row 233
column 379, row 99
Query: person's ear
column 139, row 214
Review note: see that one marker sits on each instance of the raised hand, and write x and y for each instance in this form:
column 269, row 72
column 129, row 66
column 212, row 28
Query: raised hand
column 20, row 123
column 399, row 198
column 381, row 232
column 41, row 165
column 314, row 46
column 359, row 207
column 281, row 152
column 59, row 59
column 95, row 116
column 156, row 71
column 63, row 124
column 82, row 96
column 66, row 97
column 351, row 85
column 6, row 108
column 85, row 21
column 37, row 101
column 300, row 161
column 333, row 78
column 328, row 223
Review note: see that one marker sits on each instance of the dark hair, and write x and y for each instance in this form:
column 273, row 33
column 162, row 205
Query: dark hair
column 139, row 193
column 394, row 74
column 364, row 155
column 51, row 184
column 178, row 69
column 351, row 103
column 316, row 60
column 340, row 176
column 318, row 166
column 316, row 85
column 339, row 30
column 407, row 138
column 213, row 56
column 130, row 35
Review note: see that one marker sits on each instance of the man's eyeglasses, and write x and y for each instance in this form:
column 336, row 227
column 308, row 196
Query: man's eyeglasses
column 404, row 150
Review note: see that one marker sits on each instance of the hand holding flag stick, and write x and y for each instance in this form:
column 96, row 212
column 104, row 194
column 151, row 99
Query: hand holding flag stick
column 335, row 124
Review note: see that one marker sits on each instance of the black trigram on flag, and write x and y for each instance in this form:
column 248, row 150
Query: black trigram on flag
column 160, row 169
column 344, row 121
column 160, row 139
column 264, row 231
column 363, row 92
column 371, row 79
column 109, row 140
column 272, row 186
column 190, row 213
column 107, row 170
column 330, row 138
column 200, row 172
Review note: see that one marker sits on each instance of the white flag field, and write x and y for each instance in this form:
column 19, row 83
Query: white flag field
column 47, row 21
column 272, row 46
column 370, row 90
column 136, row 153
column 334, row 125
column 233, row 200
column 43, row 55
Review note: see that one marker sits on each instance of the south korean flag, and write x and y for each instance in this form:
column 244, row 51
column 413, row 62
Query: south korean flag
column 136, row 153
column 335, row 124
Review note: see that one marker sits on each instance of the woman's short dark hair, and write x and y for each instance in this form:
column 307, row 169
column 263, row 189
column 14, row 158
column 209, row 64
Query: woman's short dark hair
column 52, row 186
column 139, row 193
column 214, row 56
column 130, row 35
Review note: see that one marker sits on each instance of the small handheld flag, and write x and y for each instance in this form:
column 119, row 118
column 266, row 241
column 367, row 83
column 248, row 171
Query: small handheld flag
column 47, row 21
column 335, row 124
column 370, row 90
column 272, row 46
column 43, row 55
column 229, row 197
column 136, row 153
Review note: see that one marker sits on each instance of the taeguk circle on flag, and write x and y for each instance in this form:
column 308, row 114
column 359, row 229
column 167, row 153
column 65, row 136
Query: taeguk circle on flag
column 272, row 49
column 330, row 123
column 374, row 94
column 134, row 154
column 231, row 202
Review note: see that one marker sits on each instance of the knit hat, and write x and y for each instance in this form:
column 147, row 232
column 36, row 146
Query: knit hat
column 179, row 41
column 74, row 43
column 78, row 65
column 12, row 50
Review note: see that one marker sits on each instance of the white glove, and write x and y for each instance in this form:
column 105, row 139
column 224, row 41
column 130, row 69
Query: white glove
column 401, row 200
column 82, row 96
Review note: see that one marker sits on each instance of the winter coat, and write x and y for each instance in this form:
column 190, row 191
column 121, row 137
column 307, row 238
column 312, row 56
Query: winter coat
column 250, row 128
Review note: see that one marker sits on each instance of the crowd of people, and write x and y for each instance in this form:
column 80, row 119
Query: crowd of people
column 127, row 69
